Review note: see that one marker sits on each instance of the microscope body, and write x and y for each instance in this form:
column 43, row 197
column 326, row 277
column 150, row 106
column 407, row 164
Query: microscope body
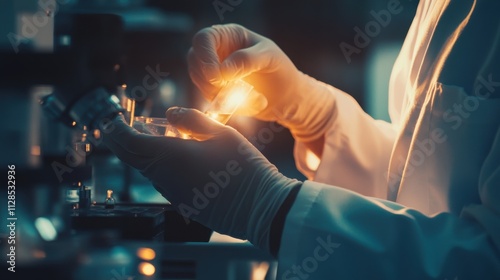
column 67, row 96
column 57, row 105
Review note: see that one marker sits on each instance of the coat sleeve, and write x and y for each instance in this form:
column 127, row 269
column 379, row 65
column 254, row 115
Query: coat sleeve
column 333, row 233
column 487, row 214
column 356, row 152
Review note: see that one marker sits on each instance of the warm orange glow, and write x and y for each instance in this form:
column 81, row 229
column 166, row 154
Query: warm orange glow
column 146, row 268
column 212, row 115
column 39, row 254
column 97, row 134
column 237, row 97
column 146, row 254
column 312, row 161
column 259, row 270
column 228, row 100
column 130, row 104
column 124, row 86
column 73, row 123
column 35, row 150
column 185, row 136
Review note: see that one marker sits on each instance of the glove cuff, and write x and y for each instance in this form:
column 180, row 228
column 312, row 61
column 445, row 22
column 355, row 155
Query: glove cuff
column 265, row 206
column 308, row 117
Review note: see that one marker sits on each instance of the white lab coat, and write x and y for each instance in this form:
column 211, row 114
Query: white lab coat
column 417, row 198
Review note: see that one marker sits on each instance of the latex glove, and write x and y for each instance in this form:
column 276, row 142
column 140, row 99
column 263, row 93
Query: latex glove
column 219, row 179
column 226, row 52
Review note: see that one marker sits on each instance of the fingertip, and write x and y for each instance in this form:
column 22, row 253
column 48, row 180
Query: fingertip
column 174, row 114
column 229, row 70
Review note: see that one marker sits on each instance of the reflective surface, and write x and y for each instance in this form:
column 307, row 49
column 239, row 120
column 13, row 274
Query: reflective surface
column 155, row 126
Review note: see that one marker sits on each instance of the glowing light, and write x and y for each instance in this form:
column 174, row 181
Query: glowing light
column 259, row 270
column 120, row 254
column 46, row 229
column 115, row 99
column 146, row 254
column 228, row 100
column 312, row 161
column 65, row 40
column 212, row 115
column 237, row 97
column 35, row 150
column 185, row 136
column 73, row 123
column 97, row 134
column 130, row 104
column 168, row 91
column 146, row 268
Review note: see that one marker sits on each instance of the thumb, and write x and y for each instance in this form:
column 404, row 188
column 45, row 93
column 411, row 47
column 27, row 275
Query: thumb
column 244, row 62
column 194, row 123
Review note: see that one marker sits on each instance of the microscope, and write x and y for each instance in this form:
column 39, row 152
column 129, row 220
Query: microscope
column 76, row 215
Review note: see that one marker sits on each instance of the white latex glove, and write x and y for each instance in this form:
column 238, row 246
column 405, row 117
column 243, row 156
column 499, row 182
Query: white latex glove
column 226, row 52
column 219, row 179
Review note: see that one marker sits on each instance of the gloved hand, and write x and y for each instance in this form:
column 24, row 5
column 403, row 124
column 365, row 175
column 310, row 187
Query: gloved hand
column 218, row 179
column 226, row 52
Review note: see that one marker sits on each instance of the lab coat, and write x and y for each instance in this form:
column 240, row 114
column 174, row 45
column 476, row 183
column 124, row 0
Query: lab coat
column 419, row 197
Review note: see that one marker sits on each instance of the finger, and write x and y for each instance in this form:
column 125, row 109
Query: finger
column 232, row 37
column 194, row 123
column 213, row 44
column 207, row 89
column 244, row 62
column 206, row 42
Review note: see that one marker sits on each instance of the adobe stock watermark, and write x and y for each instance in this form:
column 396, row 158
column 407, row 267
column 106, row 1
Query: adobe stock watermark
column 372, row 29
column 455, row 117
column 121, row 276
column 303, row 270
column 202, row 198
column 222, row 178
column 31, row 26
column 265, row 135
column 151, row 81
column 221, row 7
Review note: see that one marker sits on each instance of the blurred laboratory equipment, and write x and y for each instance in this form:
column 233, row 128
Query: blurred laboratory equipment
column 80, row 213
